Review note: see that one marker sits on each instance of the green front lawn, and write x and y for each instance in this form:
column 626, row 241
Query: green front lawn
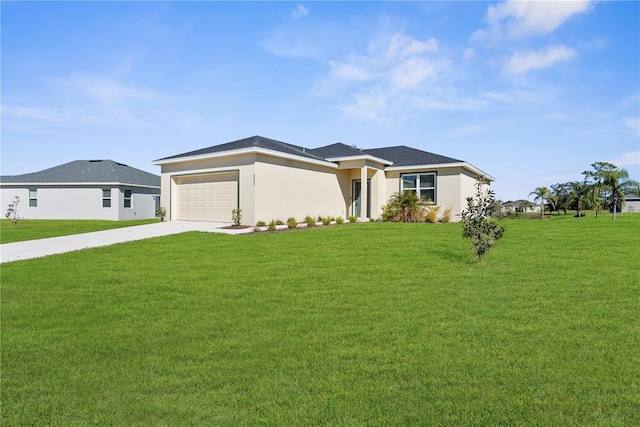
column 31, row 229
column 367, row 324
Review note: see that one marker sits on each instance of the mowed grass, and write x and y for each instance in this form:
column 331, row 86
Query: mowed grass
column 367, row 324
column 31, row 229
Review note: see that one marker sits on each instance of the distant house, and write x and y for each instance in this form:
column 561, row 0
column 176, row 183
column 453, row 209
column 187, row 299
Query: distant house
column 521, row 206
column 83, row 189
column 631, row 203
column 270, row 179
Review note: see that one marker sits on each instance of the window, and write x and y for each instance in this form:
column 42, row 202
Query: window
column 127, row 198
column 424, row 184
column 106, row 198
column 33, row 197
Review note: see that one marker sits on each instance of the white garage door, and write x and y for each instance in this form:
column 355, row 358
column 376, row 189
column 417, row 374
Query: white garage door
column 207, row 197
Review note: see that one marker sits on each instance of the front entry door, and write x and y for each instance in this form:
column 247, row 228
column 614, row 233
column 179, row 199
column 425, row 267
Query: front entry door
column 357, row 192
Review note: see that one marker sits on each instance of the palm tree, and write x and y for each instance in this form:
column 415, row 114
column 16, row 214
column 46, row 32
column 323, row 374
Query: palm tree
column 579, row 193
column 561, row 193
column 542, row 194
column 615, row 181
column 404, row 207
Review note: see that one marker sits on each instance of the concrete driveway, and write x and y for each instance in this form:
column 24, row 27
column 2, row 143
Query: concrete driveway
column 56, row 245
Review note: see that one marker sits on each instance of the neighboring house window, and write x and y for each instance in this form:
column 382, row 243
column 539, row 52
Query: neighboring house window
column 422, row 183
column 106, row 198
column 127, row 198
column 33, row 197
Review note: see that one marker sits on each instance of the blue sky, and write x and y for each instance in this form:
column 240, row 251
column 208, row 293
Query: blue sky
column 529, row 92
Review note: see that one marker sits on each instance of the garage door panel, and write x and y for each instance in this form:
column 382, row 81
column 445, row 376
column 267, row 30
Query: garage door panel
column 207, row 197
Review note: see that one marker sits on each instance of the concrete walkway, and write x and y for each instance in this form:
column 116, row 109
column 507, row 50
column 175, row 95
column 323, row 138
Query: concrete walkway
column 56, row 245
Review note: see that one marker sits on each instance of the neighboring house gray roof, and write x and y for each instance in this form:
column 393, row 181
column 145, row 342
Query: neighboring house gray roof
column 399, row 155
column 518, row 203
column 87, row 171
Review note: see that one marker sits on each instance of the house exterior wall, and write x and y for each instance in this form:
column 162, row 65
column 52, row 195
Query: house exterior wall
column 242, row 164
column 286, row 188
column 272, row 187
column 143, row 203
column 631, row 203
column 68, row 202
column 453, row 186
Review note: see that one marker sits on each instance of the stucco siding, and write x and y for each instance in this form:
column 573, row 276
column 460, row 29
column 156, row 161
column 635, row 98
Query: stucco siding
column 143, row 203
column 243, row 165
column 80, row 203
column 453, row 186
column 62, row 203
column 285, row 188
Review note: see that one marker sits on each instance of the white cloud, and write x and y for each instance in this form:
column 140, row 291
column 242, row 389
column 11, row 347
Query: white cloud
column 392, row 76
column 299, row 12
column 415, row 71
column 633, row 123
column 35, row 113
column 627, row 159
column 465, row 130
column 515, row 19
column 521, row 62
column 107, row 90
column 400, row 46
column 468, row 54
column 349, row 72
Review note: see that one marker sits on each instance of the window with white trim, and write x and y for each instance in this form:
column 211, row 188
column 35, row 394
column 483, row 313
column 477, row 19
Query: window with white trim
column 127, row 198
column 106, row 197
column 424, row 184
column 33, row 197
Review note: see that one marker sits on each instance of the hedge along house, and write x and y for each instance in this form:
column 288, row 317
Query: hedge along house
column 270, row 179
column 84, row 189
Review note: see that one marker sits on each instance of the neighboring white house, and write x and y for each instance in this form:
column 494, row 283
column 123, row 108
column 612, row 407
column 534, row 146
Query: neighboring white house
column 270, row 179
column 83, row 189
column 631, row 203
column 521, row 206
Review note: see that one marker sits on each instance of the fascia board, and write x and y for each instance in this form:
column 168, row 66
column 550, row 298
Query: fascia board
column 75, row 184
column 465, row 165
column 365, row 157
column 251, row 150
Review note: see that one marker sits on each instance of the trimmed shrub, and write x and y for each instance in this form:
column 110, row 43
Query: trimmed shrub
column 261, row 224
column 339, row 220
column 292, row 223
column 432, row 214
column 326, row 220
column 446, row 216
column 311, row 221
column 353, row 218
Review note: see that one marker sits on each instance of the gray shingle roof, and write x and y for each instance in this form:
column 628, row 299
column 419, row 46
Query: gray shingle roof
column 399, row 155
column 407, row 156
column 337, row 150
column 254, row 141
column 87, row 171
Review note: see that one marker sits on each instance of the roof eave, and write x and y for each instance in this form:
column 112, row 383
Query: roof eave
column 465, row 165
column 363, row 157
column 250, row 150
column 75, row 184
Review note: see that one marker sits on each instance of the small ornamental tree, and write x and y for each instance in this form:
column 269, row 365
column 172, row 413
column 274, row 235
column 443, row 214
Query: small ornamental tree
column 236, row 216
column 12, row 211
column 476, row 220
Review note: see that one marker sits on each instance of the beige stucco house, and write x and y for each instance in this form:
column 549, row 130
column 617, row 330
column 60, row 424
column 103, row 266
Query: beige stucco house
column 270, row 179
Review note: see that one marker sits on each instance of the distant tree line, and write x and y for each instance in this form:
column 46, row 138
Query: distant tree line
column 603, row 187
